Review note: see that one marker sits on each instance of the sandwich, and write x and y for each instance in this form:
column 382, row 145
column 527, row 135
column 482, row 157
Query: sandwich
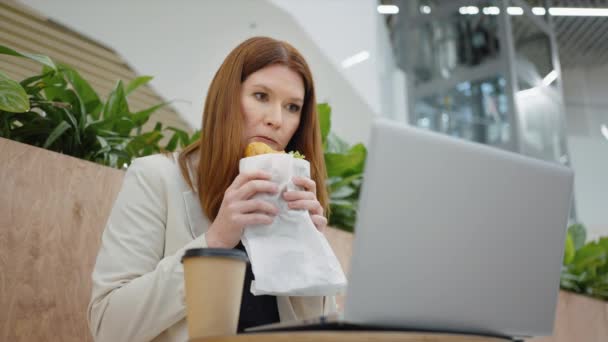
column 257, row 148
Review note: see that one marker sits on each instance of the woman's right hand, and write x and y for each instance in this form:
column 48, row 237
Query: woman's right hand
column 238, row 209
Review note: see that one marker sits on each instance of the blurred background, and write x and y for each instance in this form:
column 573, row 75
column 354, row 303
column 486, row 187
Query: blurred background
column 525, row 76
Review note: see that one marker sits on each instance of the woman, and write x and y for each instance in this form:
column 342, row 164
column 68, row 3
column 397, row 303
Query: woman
column 264, row 92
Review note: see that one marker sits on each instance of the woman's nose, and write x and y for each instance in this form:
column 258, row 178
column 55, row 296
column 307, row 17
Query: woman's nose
column 274, row 116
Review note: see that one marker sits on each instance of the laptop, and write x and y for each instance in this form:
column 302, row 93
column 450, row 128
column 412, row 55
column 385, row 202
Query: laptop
column 455, row 237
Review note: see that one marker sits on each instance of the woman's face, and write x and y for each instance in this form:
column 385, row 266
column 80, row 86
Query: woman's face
column 271, row 102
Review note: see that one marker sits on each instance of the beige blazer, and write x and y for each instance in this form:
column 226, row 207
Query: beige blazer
column 138, row 285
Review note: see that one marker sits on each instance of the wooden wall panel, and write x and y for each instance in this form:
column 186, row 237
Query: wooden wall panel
column 342, row 244
column 578, row 318
column 53, row 210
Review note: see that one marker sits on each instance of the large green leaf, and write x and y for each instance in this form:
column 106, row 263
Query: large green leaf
column 105, row 148
column 13, row 97
column 45, row 60
column 569, row 250
column 107, row 133
column 124, row 125
column 339, row 182
column 74, row 124
column 103, row 142
column 83, row 89
column 141, row 117
column 141, row 141
column 603, row 269
column 182, row 135
column 54, row 84
column 343, row 214
column 172, row 144
column 343, row 192
column 120, row 157
column 324, row 112
column 56, row 133
column 589, row 256
column 102, row 124
column 136, row 83
column 579, row 235
column 117, row 102
column 195, row 137
column 28, row 81
column 347, row 164
column 28, row 134
column 603, row 242
column 335, row 144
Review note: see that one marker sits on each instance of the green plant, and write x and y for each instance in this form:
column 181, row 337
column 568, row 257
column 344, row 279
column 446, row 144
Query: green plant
column 585, row 265
column 59, row 110
column 345, row 165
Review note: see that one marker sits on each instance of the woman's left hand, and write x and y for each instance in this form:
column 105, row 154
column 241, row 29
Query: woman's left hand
column 307, row 200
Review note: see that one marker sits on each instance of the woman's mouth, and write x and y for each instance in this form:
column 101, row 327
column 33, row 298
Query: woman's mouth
column 266, row 140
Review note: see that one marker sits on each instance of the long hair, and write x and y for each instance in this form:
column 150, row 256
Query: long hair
column 221, row 145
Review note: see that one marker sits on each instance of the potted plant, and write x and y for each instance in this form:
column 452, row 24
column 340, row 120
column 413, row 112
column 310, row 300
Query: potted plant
column 585, row 264
column 58, row 110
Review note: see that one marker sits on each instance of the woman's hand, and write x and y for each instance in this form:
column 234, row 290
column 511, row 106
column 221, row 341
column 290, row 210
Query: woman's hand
column 239, row 210
column 307, row 200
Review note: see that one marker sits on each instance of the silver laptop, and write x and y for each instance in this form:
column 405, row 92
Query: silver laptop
column 454, row 236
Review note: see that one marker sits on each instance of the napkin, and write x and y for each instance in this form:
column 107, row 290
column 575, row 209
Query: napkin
column 289, row 257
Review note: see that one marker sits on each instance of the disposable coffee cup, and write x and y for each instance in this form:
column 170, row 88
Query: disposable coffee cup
column 214, row 285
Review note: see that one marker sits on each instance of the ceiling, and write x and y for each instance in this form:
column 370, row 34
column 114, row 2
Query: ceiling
column 582, row 41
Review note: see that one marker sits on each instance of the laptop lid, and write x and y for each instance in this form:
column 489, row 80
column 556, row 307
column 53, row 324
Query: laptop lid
column 457, row 236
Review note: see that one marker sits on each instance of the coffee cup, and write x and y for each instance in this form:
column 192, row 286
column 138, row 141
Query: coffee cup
column 214, row 284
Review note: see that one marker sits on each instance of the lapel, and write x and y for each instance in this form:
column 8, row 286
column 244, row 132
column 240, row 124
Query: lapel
column 199, row 223
column 196, row 219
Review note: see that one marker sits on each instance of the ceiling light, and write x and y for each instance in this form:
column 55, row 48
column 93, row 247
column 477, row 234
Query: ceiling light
column 555, row 11
column 579, row 11
column 468, row 10
column 425, row 9
column 388, row 9
column 552, row 76
column 492, row 10
column 604, row 130
column 539, row 10
column 515, row 10
column 355, row 59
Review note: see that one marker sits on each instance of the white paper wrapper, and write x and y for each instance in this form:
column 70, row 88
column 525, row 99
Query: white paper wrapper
column 289, row 257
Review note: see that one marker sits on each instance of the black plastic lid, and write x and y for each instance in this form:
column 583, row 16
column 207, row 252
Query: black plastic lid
column 216, row 252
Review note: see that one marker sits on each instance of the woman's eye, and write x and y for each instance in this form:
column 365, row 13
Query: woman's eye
column 293, row 108
column 261, row 96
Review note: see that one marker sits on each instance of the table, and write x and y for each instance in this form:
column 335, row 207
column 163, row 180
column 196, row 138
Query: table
column 350, row 336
